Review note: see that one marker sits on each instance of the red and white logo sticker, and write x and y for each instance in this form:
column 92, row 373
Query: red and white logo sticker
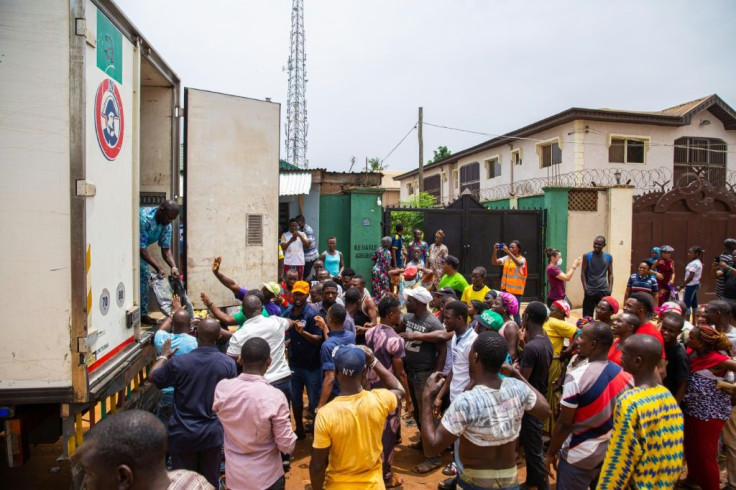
column 109, row 120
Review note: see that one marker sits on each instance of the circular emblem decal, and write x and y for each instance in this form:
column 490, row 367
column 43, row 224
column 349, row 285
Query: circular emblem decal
column 105, row 301
column 109, row 120
column 120, row 294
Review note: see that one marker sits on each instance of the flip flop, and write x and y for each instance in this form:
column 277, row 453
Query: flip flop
column 426, row 466
column 394, row 482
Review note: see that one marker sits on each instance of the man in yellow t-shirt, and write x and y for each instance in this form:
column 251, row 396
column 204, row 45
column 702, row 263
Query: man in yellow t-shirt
column 347, row 431
column 477, row 289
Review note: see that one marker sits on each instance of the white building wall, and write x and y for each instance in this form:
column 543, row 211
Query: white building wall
column 662, row 138
column 584, row 145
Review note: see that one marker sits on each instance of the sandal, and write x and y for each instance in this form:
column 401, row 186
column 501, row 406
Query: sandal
column 450, row 469
column 393, row 482
column 426, row 466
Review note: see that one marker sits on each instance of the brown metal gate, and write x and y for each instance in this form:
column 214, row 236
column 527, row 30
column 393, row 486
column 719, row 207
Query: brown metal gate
column 471, row 230
column 697, row 214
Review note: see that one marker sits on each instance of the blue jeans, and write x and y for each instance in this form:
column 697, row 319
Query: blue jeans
column 304, row 378
column 165, row 406
column 285, row 387
column 691, row 299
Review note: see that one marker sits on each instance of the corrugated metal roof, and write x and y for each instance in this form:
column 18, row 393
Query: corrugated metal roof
column 294, row 184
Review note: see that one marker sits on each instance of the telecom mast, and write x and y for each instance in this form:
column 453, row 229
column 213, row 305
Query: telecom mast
column 296, row 104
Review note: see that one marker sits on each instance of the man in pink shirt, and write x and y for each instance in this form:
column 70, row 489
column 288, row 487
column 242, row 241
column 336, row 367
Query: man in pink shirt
column 244, row 406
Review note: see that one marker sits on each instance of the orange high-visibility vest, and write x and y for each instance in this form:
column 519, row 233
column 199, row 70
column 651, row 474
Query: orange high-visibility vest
column 513, row 279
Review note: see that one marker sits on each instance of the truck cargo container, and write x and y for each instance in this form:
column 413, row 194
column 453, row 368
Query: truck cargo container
column 91, row 130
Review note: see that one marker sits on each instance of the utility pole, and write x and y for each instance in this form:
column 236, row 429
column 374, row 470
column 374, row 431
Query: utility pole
column 421, row 150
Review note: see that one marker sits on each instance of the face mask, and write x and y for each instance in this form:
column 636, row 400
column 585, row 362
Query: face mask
column 409, row 284
column 559, row 262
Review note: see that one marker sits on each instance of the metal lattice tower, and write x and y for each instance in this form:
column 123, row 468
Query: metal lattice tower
column 296, row 104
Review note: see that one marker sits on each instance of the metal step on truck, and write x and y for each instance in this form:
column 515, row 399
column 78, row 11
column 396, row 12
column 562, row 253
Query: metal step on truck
column 92, row 128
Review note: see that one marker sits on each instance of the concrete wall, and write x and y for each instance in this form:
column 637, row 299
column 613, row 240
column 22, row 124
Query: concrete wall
column 613, row 220
column 660, row 152
column 530, row 167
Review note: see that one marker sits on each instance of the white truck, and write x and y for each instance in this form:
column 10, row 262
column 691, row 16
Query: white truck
column 90, row 130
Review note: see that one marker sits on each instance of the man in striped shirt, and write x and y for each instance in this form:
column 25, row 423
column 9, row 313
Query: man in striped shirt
column 586, row 414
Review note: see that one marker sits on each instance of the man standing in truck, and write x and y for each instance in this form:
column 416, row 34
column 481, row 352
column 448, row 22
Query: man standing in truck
column 155, row 224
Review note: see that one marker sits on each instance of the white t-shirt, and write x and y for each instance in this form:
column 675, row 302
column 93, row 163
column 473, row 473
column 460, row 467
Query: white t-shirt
column 272, row 330
column 460, row 352
column 294, row 253
column 696, row 267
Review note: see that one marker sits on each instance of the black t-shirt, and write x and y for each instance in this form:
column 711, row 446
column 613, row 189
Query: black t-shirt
column 537, row 354
column 360, row 319
column 420, row 356
column 678, row 366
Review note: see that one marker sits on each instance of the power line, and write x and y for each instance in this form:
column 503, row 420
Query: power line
column 589, row 143
column 399, row 143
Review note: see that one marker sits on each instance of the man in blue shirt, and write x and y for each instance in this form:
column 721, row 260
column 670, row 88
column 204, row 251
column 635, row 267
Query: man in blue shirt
column 195, row 433
column 181, row 342
column 336, row 336
column 304, row 343
column 155, row 227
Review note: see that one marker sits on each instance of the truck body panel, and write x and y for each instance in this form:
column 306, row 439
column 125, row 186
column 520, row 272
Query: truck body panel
column 231, row 164
column 35, row 215
column 110, row 219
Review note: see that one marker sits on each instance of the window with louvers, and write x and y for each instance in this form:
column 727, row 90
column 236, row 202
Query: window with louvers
column 433, row 185
column 470, row 177
column 703, row 156
column 253, row 230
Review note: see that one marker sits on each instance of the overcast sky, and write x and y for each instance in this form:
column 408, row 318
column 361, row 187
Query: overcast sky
column 479, row 65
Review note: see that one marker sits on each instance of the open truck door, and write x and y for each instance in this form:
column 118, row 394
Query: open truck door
column 231, row 181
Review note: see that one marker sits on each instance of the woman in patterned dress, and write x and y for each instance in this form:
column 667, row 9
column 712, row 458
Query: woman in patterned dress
column 706, row 408
column 437, row 253
column 380, row 281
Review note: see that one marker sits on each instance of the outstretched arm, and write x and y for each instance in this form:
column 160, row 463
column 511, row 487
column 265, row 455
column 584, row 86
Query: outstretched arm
column 224, row 280
column 221, row 316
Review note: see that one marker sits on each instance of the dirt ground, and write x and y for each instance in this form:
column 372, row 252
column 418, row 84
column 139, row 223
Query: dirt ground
column 404, row 460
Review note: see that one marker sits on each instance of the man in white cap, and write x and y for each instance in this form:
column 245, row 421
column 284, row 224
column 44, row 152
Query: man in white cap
column 422, row 357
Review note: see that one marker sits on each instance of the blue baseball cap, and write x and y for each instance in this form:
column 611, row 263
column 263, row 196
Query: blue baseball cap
column 349, row 360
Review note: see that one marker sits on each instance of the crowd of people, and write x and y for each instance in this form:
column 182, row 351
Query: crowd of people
column 636, row 394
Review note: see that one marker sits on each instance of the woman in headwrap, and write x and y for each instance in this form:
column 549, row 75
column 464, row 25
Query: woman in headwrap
column 507, row 305
column 606, row 308
column 654, row 256
column 706, row 408
column 665, row 271
column 380, row 281
column 436, row 255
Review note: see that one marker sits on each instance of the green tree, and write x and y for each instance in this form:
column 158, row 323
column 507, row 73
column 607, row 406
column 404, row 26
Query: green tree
column 439, row 154
column 412, row 220
column 376, row 165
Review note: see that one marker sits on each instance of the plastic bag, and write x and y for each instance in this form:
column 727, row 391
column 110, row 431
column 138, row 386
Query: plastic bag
column 163, row 290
